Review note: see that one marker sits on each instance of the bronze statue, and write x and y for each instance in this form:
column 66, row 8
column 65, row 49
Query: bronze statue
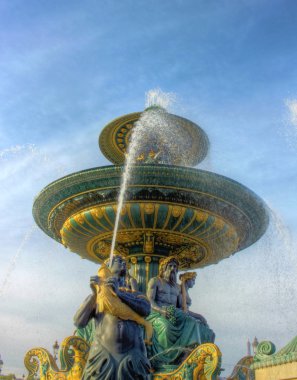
column 174, row 328
column 108, row 302
column 187, row 282
column 118, row 351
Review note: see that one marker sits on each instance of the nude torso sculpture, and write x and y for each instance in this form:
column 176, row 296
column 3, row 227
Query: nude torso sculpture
column 174, row 328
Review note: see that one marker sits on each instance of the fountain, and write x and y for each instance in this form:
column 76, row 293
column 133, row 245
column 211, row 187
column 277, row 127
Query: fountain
column 166, row 209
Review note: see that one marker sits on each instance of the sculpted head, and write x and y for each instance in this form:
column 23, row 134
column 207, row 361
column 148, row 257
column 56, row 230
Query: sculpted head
column 188, row 279
column 118, row 266
column 168, row 269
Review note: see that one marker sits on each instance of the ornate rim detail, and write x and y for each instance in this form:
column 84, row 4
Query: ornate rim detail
column 179, row 187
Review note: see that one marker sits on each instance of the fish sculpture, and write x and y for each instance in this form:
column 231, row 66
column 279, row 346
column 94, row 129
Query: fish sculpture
column 108, row 302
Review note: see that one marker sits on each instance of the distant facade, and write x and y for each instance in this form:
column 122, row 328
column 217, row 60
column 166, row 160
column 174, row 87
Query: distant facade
column 281, row 365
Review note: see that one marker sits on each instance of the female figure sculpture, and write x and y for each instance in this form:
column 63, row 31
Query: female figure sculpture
column 188, row 280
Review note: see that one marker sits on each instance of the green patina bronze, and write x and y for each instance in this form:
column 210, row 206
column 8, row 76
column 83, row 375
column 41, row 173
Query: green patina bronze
column 267, row 357
column 87, row 333
column 219, row 216
column 197, row 216
column 172, row 336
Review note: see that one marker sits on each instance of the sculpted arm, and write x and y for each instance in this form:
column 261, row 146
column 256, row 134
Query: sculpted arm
column 137, row 301
column 88, row 309
column 133, row 284
column 85, row 312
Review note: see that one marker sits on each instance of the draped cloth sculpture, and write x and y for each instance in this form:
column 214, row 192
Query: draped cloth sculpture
column 188, row 281
column 174, row 329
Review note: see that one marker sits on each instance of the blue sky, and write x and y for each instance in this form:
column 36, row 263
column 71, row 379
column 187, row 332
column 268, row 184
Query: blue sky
column 67, row 68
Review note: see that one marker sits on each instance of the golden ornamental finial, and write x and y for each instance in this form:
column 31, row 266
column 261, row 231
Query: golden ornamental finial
column 187, row 276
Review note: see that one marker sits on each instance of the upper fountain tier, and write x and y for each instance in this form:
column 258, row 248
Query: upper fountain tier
column 170, row 139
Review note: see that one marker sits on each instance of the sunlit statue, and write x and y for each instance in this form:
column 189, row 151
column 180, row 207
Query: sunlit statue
column 126, row 283
column 118, row 351
column 174, row 328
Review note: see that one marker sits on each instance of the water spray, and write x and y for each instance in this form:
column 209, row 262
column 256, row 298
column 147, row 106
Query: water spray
column 5, row 155
column 15, row 258
column 156, row 102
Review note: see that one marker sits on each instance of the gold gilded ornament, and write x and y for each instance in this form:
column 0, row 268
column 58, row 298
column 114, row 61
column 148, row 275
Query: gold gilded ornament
column 176, row 211
column 149, row 208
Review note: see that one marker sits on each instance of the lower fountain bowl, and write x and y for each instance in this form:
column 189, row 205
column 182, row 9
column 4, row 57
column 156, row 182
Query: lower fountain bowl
column 199, row 216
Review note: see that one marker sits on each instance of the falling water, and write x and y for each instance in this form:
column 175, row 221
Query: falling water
column 277, row 247
column 155, row 138
column 289, row 125
column 17, row 150
column 278, row 244
column 292, row 109
column 156, row 97
column 279, row 234
column 6, row 155
column 281, row 247
column 15, row 258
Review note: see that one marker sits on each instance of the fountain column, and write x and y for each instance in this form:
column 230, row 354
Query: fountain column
column 143, row 268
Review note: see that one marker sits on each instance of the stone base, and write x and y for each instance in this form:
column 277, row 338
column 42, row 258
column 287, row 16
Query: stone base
column 203, row 363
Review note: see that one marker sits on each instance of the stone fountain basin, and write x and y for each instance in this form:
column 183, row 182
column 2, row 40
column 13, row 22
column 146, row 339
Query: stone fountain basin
column 201, row 217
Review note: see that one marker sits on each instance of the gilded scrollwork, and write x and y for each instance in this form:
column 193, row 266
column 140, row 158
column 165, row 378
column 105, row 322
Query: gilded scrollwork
column 264, row 350
column 73, row 349
column 179, row 229
column 39, row 359
column 204, row 362
column 73, row 356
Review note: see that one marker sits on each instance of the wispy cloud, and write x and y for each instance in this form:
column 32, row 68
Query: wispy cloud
column 65, row 71
column 292, row 111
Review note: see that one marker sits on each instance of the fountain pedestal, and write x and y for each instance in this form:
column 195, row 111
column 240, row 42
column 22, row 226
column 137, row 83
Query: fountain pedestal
column 204, row 362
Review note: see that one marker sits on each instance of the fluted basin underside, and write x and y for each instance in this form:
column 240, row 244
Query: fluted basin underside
column 199, row 216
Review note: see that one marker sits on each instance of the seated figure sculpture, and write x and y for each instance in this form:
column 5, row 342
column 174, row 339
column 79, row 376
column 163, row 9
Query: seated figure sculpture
column 118, row 351
column 188, row 280
column 174, row 328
